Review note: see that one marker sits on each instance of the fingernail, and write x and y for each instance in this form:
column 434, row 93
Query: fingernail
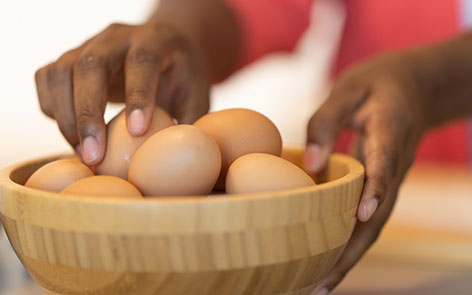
column 369, row 209
column 90, row 150
column 323, row 291
column 136, row 122
column 314, row 158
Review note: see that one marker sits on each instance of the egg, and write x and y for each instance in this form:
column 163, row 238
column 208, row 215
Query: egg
column 179, row 160
column 254, row 173
column 121, row 145
column 56, row 175
column 103, row 186
column 239, row 132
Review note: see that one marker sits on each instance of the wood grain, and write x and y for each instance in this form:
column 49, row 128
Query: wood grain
column 267, row 243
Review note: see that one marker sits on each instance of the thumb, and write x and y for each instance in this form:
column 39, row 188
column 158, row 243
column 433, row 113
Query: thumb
column 328, row 122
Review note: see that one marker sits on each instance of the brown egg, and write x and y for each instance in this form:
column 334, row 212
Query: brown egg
column 103, row 186
column 239, row 132
column 121, row 145
column 56, row 175
column 254, row 173
column 179, row 160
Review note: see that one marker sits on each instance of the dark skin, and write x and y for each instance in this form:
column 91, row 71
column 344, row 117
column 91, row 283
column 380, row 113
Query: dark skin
column 170, row 61
column 390, row 100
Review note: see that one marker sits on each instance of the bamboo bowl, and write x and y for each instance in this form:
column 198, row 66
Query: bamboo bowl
column 267, row 243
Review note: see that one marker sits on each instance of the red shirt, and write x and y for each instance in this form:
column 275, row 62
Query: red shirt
column 371, row 27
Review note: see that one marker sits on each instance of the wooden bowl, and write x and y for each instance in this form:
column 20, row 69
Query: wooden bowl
column 267, row 243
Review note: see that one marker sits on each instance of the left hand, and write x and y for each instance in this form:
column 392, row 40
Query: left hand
column 380, row 100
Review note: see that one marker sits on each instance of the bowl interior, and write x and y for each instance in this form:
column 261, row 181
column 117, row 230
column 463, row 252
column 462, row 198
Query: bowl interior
column 21, row 174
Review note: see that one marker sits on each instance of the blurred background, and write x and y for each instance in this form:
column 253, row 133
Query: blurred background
column 427, row 246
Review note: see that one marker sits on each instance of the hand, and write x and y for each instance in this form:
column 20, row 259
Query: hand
column 140, row 65
column 380, row 100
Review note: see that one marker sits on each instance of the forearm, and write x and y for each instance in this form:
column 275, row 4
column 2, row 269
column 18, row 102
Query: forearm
column 445, row 75
column 211, row 28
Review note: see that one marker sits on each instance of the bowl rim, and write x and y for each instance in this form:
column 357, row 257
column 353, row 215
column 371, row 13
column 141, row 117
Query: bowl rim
column 355, row 170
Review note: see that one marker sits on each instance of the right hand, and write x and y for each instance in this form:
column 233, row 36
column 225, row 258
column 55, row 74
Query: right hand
column 141, row 65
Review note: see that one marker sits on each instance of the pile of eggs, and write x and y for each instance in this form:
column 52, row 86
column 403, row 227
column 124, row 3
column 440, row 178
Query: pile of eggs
column 233, row 151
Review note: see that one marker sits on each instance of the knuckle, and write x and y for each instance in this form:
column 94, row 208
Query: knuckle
column 58, row 71
column 386, row 158
column 89, row 62
column 39, row 74
column 136, row 95
column 85, row 117
column 63, row 68
column 380, row 186
column 142, row 56
column 68, row 57
column 114, row 27
column 51, row 72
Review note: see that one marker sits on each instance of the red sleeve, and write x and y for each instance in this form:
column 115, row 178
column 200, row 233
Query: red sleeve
column 269, row 25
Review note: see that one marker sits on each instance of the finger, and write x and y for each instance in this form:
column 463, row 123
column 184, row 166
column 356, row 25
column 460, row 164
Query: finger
column 196, row 105
column 95, row 64
column 187, row 86
column 45, row 104
column 142, row 71
column 381, row 147
column 90, row 78
column 194, row 101
column 328, row 121
column 364, row 235
column 190, row 113
column 59, row 77
column 41, row 79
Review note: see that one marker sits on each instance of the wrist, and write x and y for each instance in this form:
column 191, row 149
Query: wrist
column 413, row 88
column 443, row 74
column 421, row 84
column 210, row 29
